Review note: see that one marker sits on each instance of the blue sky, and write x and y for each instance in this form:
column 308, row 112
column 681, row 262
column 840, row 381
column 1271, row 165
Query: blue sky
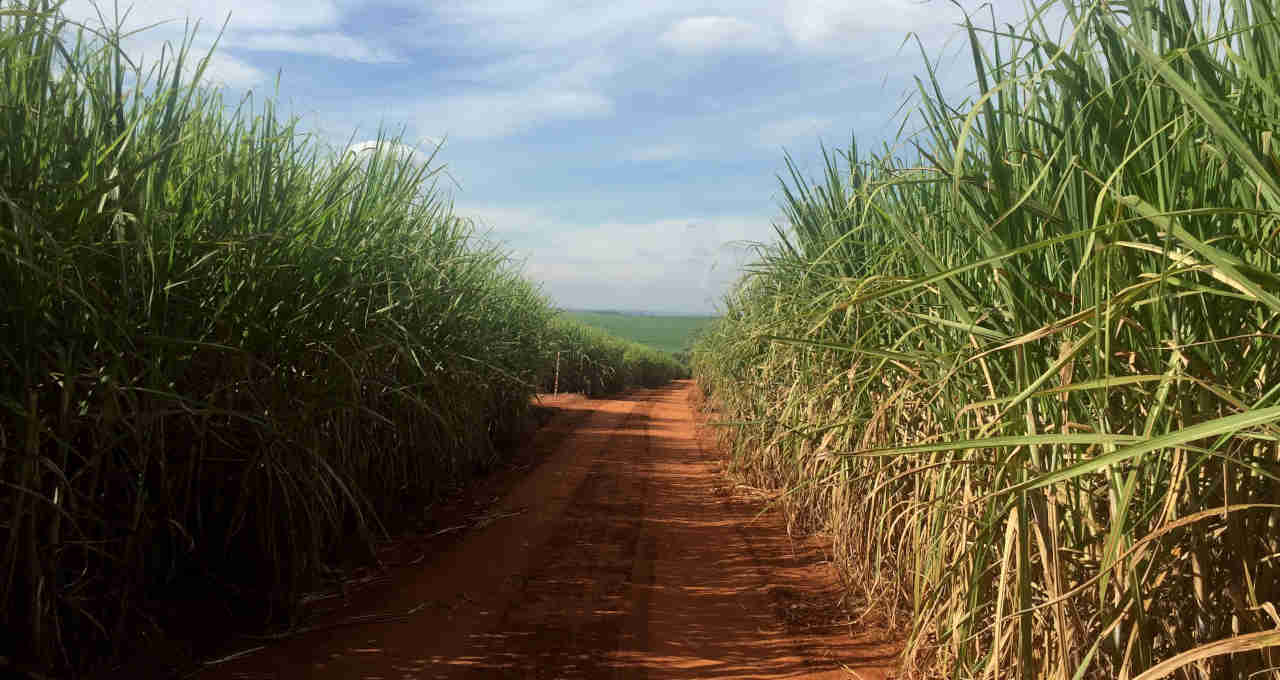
column 623, row 151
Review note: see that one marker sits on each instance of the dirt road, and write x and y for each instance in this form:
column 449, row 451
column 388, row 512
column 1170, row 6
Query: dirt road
column 619, row 553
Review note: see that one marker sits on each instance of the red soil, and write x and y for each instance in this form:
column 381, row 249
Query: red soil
column 621, row 553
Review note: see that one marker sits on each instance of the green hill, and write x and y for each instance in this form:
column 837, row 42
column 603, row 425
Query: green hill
column 667, row 333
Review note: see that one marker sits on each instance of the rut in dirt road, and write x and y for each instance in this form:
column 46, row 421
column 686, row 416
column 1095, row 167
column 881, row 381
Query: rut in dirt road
column 620, row 555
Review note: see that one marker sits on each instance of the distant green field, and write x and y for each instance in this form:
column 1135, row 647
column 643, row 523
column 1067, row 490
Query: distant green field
column 668, row 333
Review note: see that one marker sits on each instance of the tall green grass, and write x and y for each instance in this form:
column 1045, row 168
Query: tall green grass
column 1024, row 365
column 225, row 349
column 595, row 362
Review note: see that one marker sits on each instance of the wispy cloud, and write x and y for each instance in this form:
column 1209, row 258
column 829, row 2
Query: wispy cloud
column 224, row 68
column 798, row 129
column 716, row 33
column 298, row 27
column 506, row 221
column 419, row 156
column 500, row 114
column 660, row 152
column 688, row 262
column 542, row 24
column 278, row 15
column 845, row 25
column 326, row 44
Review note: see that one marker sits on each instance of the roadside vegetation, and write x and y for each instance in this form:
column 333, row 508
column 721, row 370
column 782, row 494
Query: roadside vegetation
column 228, row 352
column 596, row 362
column 1023, row 365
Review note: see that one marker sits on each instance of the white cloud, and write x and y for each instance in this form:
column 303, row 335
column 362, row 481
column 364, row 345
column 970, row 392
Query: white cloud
column 716, row 33
column 292, row 26
column 547, row 68
column 677, row 264
column 798, row 129
column 539, row 24
column 520, row 93
column 277, row 15
column 681, row 264
column 419, row 156
column 877, row 28
column 226, row 70
column 328, row 44
column 660, row 152
column 501, row 113
column 223, row 69
column 508, row 220
column 842, row 26
column 827, row 23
